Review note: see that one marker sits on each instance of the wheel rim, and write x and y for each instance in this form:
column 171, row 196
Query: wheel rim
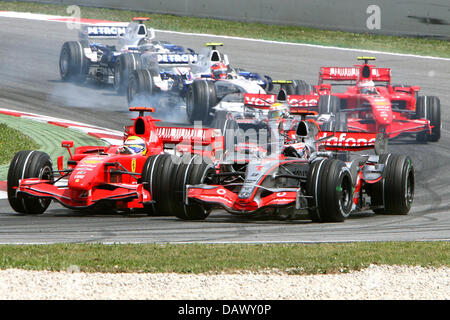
column 45, row 173
column 409, row 188
column 345, row 199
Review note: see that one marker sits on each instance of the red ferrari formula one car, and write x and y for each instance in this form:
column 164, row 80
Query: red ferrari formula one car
column 369, row 103
column 305, row 176
column 374, row 105
column 118, row 177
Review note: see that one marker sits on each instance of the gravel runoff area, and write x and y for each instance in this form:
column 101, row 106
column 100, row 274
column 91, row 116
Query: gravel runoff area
column 372, row 283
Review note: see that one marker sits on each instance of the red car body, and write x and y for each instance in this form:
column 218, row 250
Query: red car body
column 109, row 175
column 393, row 110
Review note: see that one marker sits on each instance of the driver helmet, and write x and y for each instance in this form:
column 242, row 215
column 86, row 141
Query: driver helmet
column 278, row 110
column 136, row 145
column 219, row 71
column 367, row 87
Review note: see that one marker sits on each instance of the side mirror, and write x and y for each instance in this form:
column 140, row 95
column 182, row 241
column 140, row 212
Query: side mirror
column 67, row 144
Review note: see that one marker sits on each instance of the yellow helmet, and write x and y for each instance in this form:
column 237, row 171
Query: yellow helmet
column 277, row 110
column 136, row 144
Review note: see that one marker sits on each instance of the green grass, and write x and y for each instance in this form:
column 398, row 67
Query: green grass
column 12, row 141
column 420, row 46
column 46, row 137
column 216, row 258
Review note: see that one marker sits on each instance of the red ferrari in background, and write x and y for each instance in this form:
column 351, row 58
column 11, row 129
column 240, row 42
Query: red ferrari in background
column 372, row 104
column 367, row 103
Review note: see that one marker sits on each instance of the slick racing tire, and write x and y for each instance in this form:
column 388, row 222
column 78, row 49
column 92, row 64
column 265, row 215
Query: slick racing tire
column 141, row 87
column 330, row 191
column 201, row 98
column 156, row 183
column 191, row 170
column 329, row 104
column 166, row 176
column 28, row 164
column 73, row 64
column 229, row 129
column 126, row 63
column 301, row 87
column 395, row 192
column 429, row 107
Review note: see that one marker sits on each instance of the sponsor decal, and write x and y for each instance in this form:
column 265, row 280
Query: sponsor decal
column 182, row 133
column 349, row 140
column 91, row 161
column 303, row 101
column 177, row 58
column 133, row 165
column 259, row 100
column 105, row 31
column 346, row 72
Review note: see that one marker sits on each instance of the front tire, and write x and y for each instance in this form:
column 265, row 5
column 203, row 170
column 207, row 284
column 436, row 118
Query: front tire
column 429, row 107
column 28, row 164
column 329, row 104
column 329, row 185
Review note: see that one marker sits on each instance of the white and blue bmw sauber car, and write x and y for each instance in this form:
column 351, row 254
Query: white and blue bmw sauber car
column 121, row 52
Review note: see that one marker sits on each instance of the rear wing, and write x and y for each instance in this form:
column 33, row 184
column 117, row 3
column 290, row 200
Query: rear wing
column 103, row 31
column 297, row 103
column 203, row 136
column 205, row 141
column 352, row 74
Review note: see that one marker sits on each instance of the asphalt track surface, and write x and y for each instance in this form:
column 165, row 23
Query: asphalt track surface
column 29, row 81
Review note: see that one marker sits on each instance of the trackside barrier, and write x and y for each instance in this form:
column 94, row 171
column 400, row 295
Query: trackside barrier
column 391, row 17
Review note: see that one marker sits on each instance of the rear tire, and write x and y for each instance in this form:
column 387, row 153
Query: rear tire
column 141, row 87
column 166, row 177
column 191, row 171
column 301, row 87
column 73, row 64
column 125, row 65
column 329, row 183
column 28, row 164
column 201, row 98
